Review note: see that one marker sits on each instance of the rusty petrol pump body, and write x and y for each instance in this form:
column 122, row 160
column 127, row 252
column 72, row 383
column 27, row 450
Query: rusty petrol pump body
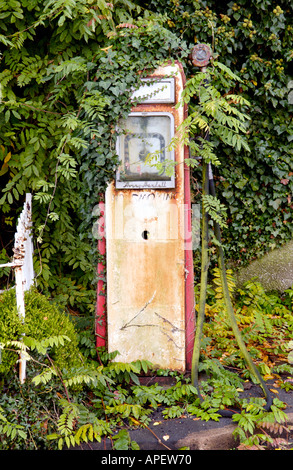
column 150, row 305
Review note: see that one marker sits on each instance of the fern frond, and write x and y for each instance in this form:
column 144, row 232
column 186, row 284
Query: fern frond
column 218, row 283
column 215, row 209
column 89, row 376
column 45, row 376
column 227, row 71
column 9, row 429
column 44, row 344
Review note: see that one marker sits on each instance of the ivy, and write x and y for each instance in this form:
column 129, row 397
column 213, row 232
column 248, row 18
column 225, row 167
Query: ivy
column 255, row 41
column 67, row 71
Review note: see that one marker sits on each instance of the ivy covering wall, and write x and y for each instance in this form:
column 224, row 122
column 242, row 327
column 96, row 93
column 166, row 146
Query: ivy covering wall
column 255, row 39
column 67, row 69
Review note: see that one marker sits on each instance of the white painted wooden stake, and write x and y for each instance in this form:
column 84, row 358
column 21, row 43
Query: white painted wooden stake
column 23, row 266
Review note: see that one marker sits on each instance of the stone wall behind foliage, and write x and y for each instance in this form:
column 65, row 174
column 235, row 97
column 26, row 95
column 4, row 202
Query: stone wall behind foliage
column 274, row 270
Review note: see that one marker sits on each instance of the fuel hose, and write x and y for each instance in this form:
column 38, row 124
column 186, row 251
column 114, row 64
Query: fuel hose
column 208, row 187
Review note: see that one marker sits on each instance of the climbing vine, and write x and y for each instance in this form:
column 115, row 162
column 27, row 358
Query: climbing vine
column 67, row 70
column 64, row 88
column 255, row 41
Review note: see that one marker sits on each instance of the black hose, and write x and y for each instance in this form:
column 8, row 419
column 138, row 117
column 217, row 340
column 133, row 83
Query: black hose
column 209, row 188
column 251, row 366
column 203, row 284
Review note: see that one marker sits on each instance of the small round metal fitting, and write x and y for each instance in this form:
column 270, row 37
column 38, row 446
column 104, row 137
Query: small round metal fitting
column 200, row 55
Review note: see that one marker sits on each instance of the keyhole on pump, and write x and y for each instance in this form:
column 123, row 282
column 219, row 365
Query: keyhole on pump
column 145, row 235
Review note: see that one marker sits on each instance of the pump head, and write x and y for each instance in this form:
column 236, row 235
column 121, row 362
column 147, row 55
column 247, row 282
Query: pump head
column 200, row 55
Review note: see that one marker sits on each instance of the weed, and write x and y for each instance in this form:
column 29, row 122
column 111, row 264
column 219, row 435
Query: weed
column 61, row 406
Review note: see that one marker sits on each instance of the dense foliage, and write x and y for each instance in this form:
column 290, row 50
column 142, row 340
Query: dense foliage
column 66, row 72
column 265, row 321
column 62, row 404
column 255, row 41
column 67, row 69
column 66, row 75
column 42, row 320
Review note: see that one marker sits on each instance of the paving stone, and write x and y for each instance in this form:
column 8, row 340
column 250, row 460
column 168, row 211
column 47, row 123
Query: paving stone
column 212, row 439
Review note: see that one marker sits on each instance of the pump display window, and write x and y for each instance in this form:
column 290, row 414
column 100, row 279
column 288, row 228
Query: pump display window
column 143, row 150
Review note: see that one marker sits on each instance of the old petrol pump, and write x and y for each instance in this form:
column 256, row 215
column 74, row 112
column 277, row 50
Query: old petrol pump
column 148, row 238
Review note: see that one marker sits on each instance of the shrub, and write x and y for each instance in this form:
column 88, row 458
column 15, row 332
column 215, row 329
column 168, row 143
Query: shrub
column 42, row 320
column 10, row 329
